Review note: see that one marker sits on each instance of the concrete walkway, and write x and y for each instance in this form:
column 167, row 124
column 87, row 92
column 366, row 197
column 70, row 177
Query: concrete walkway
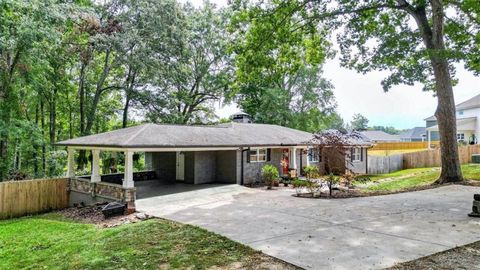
column 356, row 233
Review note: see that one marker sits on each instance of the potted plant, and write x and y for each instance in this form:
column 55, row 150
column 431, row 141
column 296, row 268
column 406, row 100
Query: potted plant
column 269, row 175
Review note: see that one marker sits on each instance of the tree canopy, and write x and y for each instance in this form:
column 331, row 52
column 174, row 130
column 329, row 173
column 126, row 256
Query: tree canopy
column 415, row 41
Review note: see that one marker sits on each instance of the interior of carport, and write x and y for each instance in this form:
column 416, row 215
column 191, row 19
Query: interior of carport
column 180, row 170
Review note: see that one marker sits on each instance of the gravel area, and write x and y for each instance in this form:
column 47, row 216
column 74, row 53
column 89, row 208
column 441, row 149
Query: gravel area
column 463, row 257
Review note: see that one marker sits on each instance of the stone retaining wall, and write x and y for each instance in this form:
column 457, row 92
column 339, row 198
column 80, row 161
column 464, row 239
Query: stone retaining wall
column 83, row 191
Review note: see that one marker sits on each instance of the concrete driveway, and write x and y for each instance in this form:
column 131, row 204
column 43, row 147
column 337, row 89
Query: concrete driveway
column 356, row 233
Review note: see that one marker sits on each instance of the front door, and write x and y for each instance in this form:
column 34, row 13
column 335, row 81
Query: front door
column 180, row 166
column 285, row 161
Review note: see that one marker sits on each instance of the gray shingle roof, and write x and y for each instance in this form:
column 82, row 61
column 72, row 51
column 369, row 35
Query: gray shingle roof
column 177, row 136
column 414, row 133
column 378, row 135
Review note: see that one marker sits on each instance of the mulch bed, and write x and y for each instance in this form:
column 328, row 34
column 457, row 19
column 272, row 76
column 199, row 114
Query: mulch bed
column 93, row 214
column 355, row 193
column 463, row 257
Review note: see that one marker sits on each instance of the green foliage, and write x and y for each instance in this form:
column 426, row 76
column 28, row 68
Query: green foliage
column 359, row 122
column 270, row 174
column 311, row 171
column 278, row 76
column 386, row 129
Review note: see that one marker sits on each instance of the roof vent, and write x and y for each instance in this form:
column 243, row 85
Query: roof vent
column 241, row 118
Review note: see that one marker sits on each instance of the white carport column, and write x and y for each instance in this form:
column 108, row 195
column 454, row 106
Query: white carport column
column 70, row 162
column 128, row 173
column 95, row 178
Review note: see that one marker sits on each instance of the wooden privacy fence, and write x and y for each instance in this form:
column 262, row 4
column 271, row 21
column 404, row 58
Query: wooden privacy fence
column 19, row 198
column 403, row 145
column 384, row 164
column 431, row 158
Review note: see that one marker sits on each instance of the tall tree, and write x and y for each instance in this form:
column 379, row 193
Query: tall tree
column 359, row 122
column 279, row 80
column 188, row 83
column 415, row 40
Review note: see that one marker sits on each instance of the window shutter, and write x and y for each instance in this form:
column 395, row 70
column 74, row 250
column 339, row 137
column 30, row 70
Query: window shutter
column 351, row 154
column 361, row 154
column 268, row 154
column 248, row 155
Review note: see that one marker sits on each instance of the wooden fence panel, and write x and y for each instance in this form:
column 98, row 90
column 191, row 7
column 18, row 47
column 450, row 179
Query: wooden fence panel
column 431, row 158
column 19, row 198
column 403, row 145
column 384, row 164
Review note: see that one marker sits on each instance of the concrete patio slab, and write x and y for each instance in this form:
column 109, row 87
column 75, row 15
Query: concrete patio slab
column 355, row 233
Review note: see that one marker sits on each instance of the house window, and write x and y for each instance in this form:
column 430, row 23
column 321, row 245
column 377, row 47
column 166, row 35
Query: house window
column 357, row 154
column 258, row 155
column 460, row 112
column 313, row 155
column 460, row 136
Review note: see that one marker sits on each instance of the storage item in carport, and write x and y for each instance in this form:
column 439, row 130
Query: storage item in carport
column 113, row 209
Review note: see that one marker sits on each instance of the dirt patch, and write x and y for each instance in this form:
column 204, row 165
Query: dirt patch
column 464, row 257
column 93, row 214
column 259, row 261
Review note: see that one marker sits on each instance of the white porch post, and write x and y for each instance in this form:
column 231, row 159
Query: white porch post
column 128, row 173
column 95, row 178
column 429, row 139
column 70, row 163
column 308, row 156
column 294, row 159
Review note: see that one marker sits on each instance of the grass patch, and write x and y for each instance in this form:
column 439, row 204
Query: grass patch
column 412, row 178
column 53, row 242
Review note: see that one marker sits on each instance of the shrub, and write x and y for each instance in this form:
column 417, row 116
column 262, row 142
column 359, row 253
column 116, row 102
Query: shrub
column 311, row 172
column 362, row 178
column 269, row 175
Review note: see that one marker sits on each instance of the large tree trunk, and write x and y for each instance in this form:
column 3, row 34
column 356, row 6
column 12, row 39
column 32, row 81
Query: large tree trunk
column 433, row 38
column 447, row 126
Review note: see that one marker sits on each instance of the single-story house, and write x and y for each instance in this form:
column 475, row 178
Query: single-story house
column 378, row 136
column 224, row 153
column 416, row 134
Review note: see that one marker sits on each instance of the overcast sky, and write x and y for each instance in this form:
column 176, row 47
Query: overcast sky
column 402, row 107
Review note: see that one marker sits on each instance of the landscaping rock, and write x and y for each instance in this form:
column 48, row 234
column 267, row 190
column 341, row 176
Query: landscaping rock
column 141, row 216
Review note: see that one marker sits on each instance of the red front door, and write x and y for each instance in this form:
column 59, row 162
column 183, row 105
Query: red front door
column 285, row 161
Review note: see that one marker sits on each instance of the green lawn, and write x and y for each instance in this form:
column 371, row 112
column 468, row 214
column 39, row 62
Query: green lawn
column 412, row 178
column 53, row 242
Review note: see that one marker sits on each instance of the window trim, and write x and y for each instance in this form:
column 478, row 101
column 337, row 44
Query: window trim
column 313, row 155
column 358, row 154
column 257, row 155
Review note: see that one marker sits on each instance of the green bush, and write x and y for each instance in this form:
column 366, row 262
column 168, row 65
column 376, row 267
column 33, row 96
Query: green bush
column 311, row 172
column 270, row 175
column 362, row 178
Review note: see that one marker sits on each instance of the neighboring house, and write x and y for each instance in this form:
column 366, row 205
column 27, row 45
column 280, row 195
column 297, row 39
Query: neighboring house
column 378, row 136
column 468, row 125
column 416, row 134
column 224, row 153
